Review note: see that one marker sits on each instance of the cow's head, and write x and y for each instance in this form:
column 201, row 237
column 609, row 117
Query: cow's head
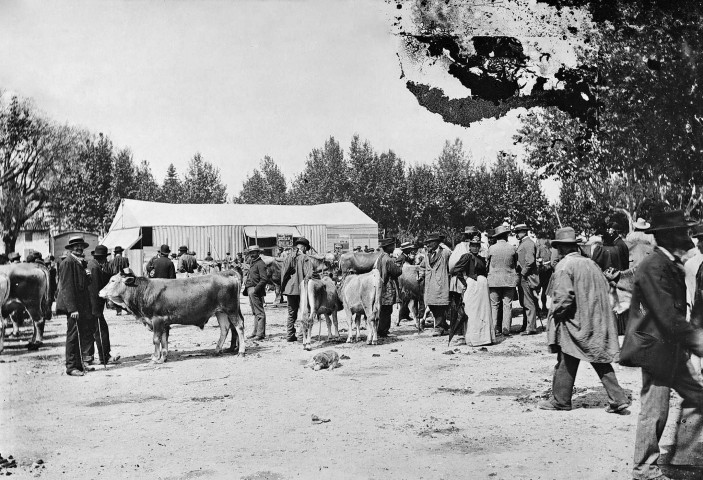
column 118, row 288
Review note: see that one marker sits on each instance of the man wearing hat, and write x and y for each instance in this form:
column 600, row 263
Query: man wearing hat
column 255, row 289
column 295, row 269
column 407, row 257
column 529, row 279
column 658, row 339
column 390, row 269
column 117, row 265
column 581, row 326
column 97, row 331
column 208, row 257
column 435, row 271
column 187, row 263
column 693, row 264
column 73, row 298
column 161, row 266
column 502, row 278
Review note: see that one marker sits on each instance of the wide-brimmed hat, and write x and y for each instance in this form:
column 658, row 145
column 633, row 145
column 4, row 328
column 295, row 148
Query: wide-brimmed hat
column 118, row 249
column 385, row 242
column 433, row 237
column 520, row 227
column 471, row 229
column 669, row 221
column 183, row 249
column 254, row 248
column 500, row 230
column 476, row 239
column 100, row 251
column 77, row 241
column 165, row 249
column 565, row 236
column 302, row 241
column 641, row 224
column 407, row 246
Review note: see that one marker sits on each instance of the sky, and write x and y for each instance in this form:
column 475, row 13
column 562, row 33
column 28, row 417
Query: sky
column 233, row 80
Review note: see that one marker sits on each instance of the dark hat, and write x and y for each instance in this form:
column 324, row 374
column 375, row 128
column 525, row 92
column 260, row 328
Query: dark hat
column 434, row 237
column 490, row 232
column 118, row 249
column 471, row 229
column 76, row 241
column 208, row 253
column 173, row 255
column 100, row 251
column 520, row 227
column 475, row 240
column 227, row 253
column 302, row 241
column 407, row 246
column 183, row 249
column 165, row 249
column 254, row 248
column 386, row 242
column 500, row 230
column 565, row 236
column 357, row 248
column 669, row 221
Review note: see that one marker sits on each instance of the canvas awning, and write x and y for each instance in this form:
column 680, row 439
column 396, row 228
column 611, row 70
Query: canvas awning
column 125, row 238
column 270, row 231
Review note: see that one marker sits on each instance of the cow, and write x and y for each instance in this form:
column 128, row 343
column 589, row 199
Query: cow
column 357, row 262
column 321, row 265
column 361, row 295
column 4, row 295
column 318, row 297
column 160, row 303
column 29, row 291
column 412, row 294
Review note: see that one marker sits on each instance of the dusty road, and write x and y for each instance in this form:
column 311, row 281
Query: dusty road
column 418, row 410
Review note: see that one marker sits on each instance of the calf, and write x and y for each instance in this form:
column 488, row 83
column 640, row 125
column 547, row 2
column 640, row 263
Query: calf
column 318, row 297
column 361, row 295
column 412, row 294
column 29, row 290
column 160, row 303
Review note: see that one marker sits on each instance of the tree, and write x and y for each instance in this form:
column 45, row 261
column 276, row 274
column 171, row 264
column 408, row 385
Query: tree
column 172, row 188
column 454, row 182
column 423, row 206
column 202, row 183
column 123, row 178
column 30, row 146
column 325, row 178
column 145, row 186
column 266, row 186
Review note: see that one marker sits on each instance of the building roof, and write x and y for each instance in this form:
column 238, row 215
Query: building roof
column 138, row 213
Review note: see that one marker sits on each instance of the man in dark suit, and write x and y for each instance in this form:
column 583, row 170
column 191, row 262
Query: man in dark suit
column 162, row 266
column 390, row 269
column 99, row 275
column 529, row 279
column 658, row 340
column 73, row 299
column 255, row 287
column 296, row 268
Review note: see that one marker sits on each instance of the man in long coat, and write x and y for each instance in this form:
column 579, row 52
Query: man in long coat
column 74, row 300
column 296, row 268
column 529, row 279
column 255, row 286
column 502, row 279
column 390, row 270
column 435, row 270
column 658, row 339
column 99, row 275
column 161, row 266
column 581, row 326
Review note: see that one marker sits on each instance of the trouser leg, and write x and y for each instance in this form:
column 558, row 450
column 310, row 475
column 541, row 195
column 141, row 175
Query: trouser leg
column 521, row 300
column 494, row 297
column 86, row 329
column 688, row 449
column 73, row 350
column 616, row 395
column 257, row 308
column 293, row 306
column 439, row 312
column 102, row 338
column 654, row 411
column 563, row 381
column 384, row 320
column 529, row 311
column 507, row 294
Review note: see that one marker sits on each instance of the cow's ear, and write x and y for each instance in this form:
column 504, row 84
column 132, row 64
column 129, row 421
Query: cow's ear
column 129, row 280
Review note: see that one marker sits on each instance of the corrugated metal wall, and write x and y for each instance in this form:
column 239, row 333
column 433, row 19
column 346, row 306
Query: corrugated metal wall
column 317, row 235
column 359, row 235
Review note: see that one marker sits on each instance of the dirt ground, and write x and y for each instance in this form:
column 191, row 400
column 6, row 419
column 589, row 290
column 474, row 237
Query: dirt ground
column 411, row 408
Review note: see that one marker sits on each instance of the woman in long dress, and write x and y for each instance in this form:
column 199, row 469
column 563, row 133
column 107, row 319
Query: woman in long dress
column 471, row 269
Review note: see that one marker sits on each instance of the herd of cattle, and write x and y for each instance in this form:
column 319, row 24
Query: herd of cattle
column 160, row 303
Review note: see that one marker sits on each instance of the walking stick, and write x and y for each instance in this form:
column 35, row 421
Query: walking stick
column 80, row 348
column 102, row 345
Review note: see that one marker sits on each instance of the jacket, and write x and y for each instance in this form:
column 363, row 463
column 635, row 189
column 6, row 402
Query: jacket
column 187, row 263
column 455, row 284
column 527, row 261
column 118, row 264
column 73, row 287
column 258, row 277
column 162, row 267
column 470, row 265
column 435, row 270
column 623, row 252
column 296, row 268
column 502, row 260
column 390, row 270
column 657, row 332
column 97, row 280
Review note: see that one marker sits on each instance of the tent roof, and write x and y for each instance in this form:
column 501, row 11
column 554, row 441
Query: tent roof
column 138, row 213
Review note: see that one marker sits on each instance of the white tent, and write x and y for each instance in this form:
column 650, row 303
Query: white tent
column 141, row 226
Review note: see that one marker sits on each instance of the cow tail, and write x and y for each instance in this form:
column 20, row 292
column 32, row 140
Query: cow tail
column 305, row 304
column 46, row 299
column 378, row 285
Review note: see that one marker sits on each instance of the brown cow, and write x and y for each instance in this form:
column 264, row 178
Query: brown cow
column 318, row 297
column 358, row 262
column 361, row 295
column 412, row 294
column 29, row 290
column 160, row 303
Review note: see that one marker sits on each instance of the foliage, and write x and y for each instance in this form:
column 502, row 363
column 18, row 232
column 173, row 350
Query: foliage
column 324, row 179
column 172, row 187
column 202, row 182
column 266, row 186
